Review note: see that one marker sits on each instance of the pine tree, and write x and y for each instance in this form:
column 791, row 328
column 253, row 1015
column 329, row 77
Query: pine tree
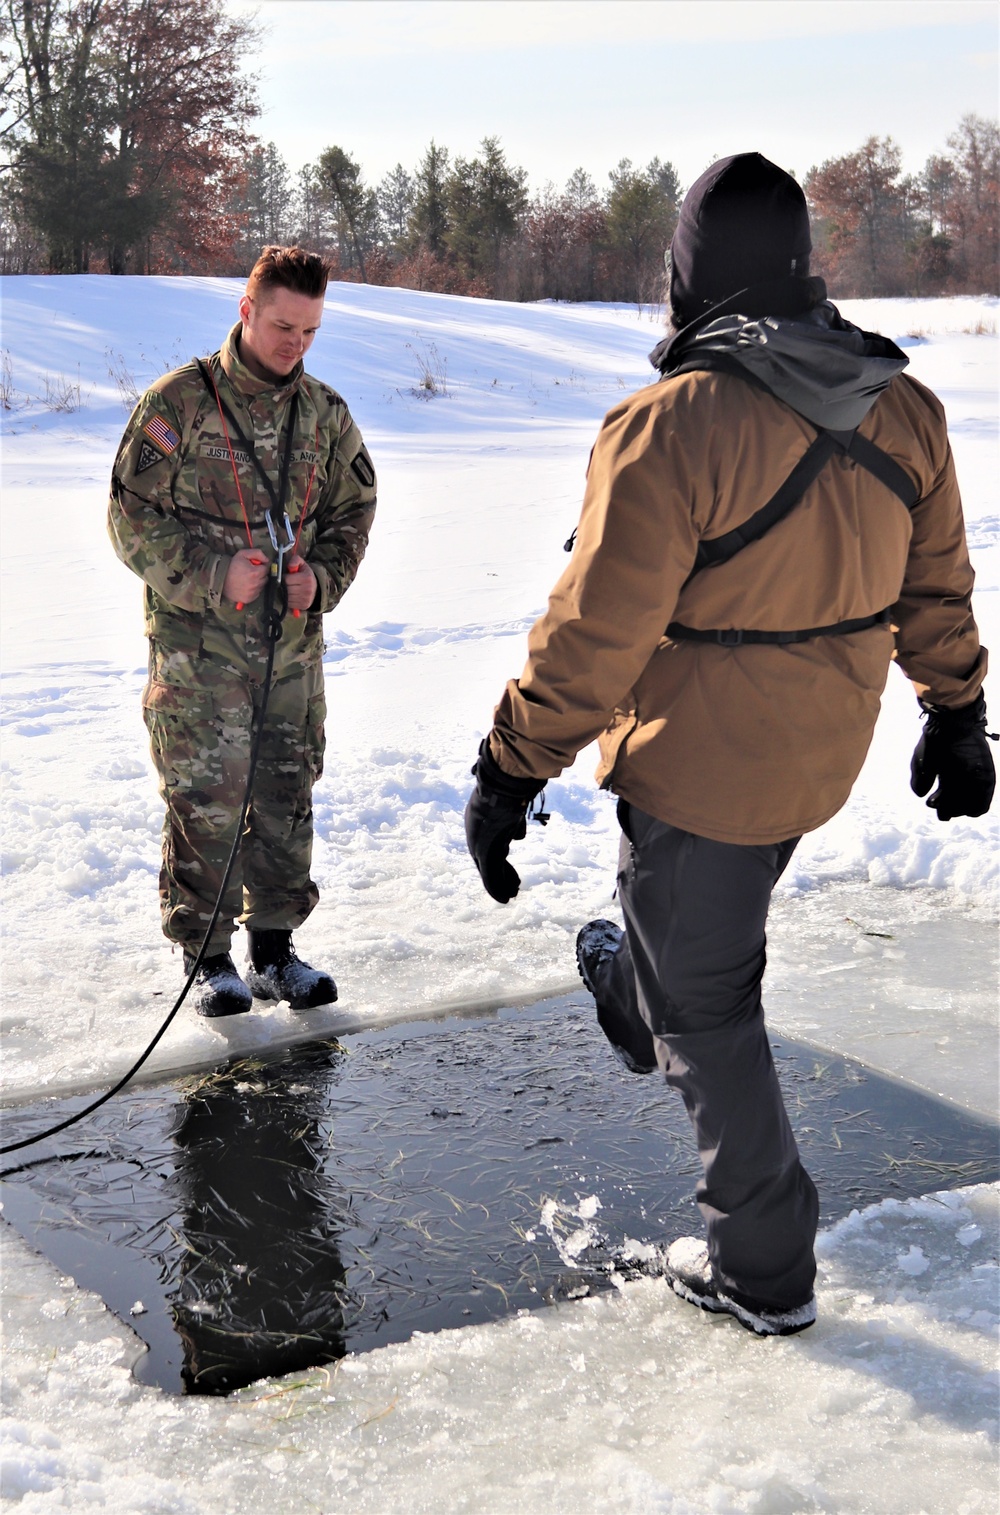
column 310, row 214
column 641, row 216
column 354, row 204
column 581, row 191
column 396, row 195
column 64, row 120
column 428, row 224
column 486, row 198
column 264, row 204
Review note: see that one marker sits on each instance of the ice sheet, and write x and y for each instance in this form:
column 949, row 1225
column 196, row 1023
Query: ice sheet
column 633, row 1403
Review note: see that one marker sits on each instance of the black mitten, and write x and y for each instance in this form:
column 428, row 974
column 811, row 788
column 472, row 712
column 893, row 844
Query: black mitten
column 954, row 750
column 495, row 816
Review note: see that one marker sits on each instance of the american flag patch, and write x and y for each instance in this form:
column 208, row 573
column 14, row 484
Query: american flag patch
column 163, row 435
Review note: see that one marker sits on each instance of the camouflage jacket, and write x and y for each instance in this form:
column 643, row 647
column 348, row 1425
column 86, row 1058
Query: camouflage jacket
column 175, row 516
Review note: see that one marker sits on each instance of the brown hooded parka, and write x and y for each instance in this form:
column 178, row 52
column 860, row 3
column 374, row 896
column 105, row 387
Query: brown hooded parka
column 757, row 743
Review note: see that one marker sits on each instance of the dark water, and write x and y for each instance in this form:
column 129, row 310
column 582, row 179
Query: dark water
column 277, row 1213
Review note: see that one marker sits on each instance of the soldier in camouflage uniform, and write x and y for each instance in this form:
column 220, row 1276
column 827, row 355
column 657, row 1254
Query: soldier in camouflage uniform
column 189, row 514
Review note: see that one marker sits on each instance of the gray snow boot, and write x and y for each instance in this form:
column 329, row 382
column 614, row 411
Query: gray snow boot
column 218, row 989
column 274, row 972
column 631, row 1040
column 688, row 1269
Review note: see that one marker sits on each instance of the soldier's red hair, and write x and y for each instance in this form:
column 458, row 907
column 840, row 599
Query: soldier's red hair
column 288, row 268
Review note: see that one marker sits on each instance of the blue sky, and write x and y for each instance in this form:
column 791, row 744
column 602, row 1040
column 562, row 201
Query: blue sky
column 568, row 83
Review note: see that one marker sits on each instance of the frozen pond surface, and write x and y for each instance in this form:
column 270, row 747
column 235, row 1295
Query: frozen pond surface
column 627, row 1402
column 904, row 980
column 883, row 947
column 276, row 1214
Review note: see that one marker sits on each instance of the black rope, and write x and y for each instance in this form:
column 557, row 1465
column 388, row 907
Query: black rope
column 277, row 499
column 273, row 637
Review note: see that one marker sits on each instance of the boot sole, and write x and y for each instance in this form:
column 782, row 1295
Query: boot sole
column 628, row 1061
column 758, row 1325
column 261, row 990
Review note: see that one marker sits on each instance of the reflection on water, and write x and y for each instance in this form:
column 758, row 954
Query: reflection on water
column 273, row 1215
column 260, row 1276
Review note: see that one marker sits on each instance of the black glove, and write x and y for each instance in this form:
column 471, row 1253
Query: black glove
column 495, row 816
column 954, row 750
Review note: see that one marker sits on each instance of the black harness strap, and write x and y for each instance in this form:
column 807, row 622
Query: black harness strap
column 715, row 550
column 886, row 469
column 736, row 638
column 188, row 513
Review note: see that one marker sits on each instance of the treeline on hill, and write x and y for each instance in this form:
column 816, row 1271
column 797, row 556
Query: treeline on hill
column 469, row 226
column 126, row 135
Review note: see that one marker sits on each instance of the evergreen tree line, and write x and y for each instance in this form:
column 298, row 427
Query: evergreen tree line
column 469, row 225
column 127, row 146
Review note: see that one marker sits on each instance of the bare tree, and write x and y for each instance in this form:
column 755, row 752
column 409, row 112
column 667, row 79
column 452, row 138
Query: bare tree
column 867, row 214
column 132, row 123
column 972, row 206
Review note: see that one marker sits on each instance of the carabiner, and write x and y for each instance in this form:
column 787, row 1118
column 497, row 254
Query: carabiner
column 281, row 549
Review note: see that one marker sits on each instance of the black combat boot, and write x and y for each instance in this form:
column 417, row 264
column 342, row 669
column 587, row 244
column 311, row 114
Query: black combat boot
column 631, row 1039
column 689, row 1272
column 275, row 972
column 218, row 988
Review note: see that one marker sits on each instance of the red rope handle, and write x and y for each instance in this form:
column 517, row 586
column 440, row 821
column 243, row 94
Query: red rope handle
column 305, row 502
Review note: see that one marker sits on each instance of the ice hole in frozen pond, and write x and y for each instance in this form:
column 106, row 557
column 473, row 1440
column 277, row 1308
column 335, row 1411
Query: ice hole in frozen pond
column 276, row 1214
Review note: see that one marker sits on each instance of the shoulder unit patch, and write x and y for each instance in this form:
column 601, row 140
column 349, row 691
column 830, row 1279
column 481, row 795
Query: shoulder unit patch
column 362, row 469
column 147, row 457
column 166, row 439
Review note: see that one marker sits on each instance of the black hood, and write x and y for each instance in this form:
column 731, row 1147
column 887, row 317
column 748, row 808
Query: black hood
column 743, row 223
column 825, row 368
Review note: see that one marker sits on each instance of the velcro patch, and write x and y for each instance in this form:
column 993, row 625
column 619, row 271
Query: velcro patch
column 163, row 435
column 147, row 457
column 363, row 470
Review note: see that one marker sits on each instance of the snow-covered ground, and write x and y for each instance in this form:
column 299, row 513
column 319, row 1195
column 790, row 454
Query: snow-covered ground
column 630, row 1403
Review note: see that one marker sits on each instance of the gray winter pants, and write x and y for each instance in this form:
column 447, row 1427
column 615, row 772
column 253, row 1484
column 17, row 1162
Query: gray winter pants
column 690, row 965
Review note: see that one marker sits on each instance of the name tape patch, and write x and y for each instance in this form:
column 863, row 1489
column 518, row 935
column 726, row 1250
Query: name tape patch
column 164, row 436
column 222, row 453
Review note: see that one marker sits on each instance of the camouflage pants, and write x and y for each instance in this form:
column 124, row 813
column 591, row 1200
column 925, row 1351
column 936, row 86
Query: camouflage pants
column 199, row 712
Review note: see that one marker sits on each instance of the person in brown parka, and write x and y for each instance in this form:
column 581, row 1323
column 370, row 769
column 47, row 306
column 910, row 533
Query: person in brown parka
column 763, row 532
